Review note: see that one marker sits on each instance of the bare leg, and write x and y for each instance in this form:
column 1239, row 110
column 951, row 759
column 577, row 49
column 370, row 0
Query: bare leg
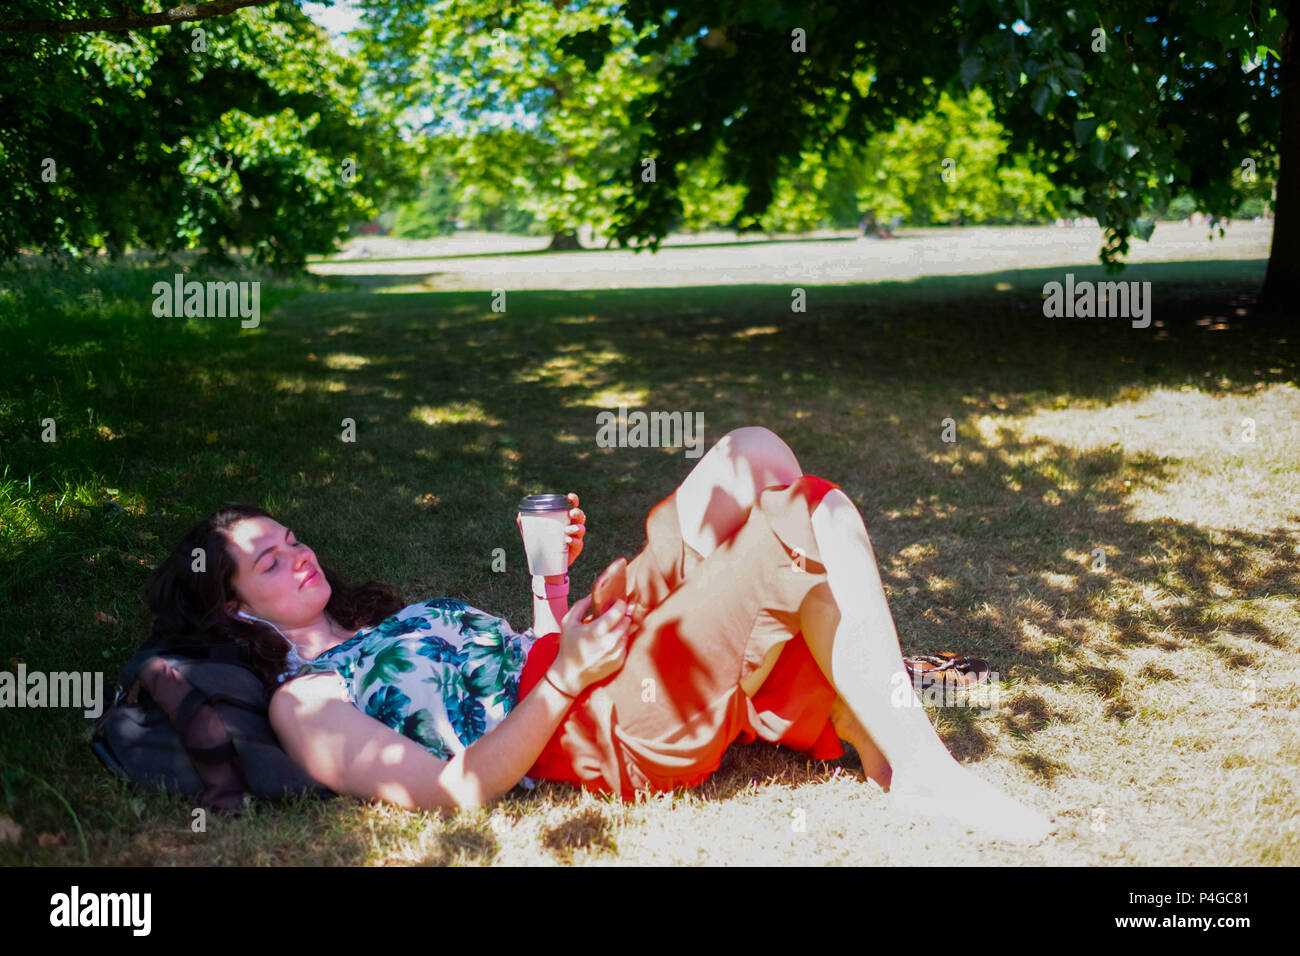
column 850, row 632
column 713, row 502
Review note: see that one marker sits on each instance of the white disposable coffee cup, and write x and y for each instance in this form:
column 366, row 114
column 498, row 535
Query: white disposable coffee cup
column 544, row 520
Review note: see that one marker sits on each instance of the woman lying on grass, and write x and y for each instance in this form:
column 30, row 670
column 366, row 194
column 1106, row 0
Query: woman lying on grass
column 755, row 610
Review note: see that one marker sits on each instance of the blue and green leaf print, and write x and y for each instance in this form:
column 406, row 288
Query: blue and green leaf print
column 467, row 718
column 391, row 661
column 491, row 659
column 389, row 707
column 345, row 671
column 440, row 651
column 421, row 727
column 441, row 657
column 395, row 626
column 347, row 645
column 446, row 610
column 448, row 680
column 473, row 623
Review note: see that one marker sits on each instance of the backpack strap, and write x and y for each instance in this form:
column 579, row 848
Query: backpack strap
column 185, row 714
column 203, row 735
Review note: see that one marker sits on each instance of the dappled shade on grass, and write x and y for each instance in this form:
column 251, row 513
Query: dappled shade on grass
column 985, row 545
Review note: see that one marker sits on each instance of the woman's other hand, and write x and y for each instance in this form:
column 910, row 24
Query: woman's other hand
column 574, row 533
column 591, row 652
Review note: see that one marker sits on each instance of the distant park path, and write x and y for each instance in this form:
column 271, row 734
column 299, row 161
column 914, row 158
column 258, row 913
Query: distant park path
column 483, row 261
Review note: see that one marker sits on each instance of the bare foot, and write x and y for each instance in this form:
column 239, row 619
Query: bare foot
column 848, row 728
column 944, row 789
column 874, row 765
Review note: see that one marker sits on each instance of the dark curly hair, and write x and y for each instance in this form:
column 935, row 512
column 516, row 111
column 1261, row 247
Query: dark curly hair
column 190, row 606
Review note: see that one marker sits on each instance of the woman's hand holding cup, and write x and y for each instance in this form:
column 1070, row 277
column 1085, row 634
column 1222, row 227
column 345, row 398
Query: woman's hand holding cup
column 573, row 532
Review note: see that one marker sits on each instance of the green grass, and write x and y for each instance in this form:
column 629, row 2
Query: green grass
column 984, row 544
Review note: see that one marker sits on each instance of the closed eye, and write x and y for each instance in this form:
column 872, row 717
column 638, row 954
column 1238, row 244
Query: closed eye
column 273, row 563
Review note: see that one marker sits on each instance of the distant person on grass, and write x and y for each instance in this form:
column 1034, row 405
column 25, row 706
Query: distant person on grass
column 755, row 610
column 872, row 229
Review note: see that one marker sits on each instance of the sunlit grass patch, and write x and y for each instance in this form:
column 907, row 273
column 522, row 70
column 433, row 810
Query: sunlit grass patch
column 1227, row 460
column 344, row 361
column 454, row 413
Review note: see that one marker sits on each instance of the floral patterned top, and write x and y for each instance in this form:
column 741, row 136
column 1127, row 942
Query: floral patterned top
column 441, row 673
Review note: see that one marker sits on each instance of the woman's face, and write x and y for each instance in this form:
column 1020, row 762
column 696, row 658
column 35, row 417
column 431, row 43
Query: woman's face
column 277, row 577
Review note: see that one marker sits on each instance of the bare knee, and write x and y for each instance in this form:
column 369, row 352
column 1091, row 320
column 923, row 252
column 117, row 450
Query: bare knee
column 717, row 495
column 749, row 439
column 765, row 452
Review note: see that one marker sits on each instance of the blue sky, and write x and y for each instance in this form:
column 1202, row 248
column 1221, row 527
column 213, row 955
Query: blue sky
column 337, row 18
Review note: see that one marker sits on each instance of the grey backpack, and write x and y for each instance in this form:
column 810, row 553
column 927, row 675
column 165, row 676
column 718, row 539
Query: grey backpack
column 193, row 720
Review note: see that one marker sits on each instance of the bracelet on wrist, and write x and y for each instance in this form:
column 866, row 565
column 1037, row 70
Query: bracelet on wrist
column 547, row 678
column 549, row 590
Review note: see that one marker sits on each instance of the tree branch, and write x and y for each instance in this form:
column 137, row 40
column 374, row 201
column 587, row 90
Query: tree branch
column 183, row 13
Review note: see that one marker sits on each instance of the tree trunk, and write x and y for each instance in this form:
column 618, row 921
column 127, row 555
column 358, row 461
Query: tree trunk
column 1280, row 293
column 564, row 242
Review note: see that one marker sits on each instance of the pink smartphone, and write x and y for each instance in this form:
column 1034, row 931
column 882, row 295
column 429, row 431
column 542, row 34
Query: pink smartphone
column 609, row 587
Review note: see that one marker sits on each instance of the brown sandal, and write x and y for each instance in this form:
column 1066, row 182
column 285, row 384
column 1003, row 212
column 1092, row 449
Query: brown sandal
column 947, row 667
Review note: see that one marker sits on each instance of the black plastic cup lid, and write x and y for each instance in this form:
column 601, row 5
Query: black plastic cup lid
column 537, row 504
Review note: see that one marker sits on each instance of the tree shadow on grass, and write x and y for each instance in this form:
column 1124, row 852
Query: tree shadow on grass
column 587, row 829
column 460, row 411
column 462, row 843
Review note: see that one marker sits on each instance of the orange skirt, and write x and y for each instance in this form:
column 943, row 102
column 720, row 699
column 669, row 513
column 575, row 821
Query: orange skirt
column 667, row 716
